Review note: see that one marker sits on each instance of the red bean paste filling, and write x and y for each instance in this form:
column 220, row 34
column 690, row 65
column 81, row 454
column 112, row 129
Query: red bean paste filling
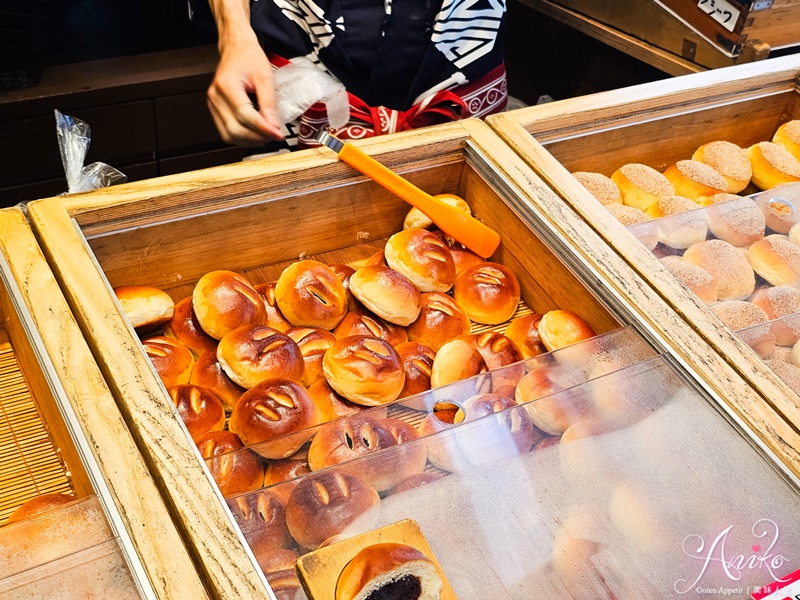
column 407, row 587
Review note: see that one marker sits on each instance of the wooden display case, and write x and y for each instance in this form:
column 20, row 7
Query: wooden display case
column 257, row 217
column 60, row 429
column 659, row 124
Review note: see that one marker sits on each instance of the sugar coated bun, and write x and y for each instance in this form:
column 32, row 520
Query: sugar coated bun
column 38, row 505
column 729, row 160
column 330, row 404
column 309, row 294
column 200, row 409
column 207, row 373
column 511, row 425
column 262, row 520
column 275, row 318
column 489, row 293
column 172, row 360
column 313, row 343
column 440, row 320
column 776, row 259
column 788, row 136
column 560, row 328
column 323, row 505
column 627, row 215
column 224, row 300
column 794, row 357
column 726, row 264
column 360, row 436
column 738, row 314
column 783, row 354
column 423, row 258
column 601, row 187
column 253, row 353
column 147, row 308
column 184, row 327
column 389, row 571
column 551, row 412
column 416, row 219
column 697, row 279
column 524, row 334
column 344, row 272
column 418, row 364
column 360, row 321
column 364, row 369
column 788, row 372
column 387, row 293
column 684, row 227
column 286, row 470
column 780, row 214
column 735, row 220
column 271, row 411
column 780, row 302
column 454, row 361
column 641, row 185
column 695, row 180
column 773, row 165
column 235, row 469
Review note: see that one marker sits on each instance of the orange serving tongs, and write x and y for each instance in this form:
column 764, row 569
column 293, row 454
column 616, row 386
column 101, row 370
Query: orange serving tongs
column 463, row 228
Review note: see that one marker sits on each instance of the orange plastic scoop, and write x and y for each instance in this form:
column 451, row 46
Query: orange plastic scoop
column 463, row 228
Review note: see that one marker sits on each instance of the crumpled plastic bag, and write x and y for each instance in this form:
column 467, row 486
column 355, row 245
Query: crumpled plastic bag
column 74, row 138
column 300, row 85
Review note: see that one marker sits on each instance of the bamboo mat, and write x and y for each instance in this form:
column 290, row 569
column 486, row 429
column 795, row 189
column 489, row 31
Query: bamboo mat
column 29, row 464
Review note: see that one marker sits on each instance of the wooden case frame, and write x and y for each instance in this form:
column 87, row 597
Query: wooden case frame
column 604, row 131
column 80, row 232
column 83, row 419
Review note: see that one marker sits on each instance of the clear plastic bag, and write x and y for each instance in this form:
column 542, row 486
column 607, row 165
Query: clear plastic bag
column 74, row 138
column 300, row 85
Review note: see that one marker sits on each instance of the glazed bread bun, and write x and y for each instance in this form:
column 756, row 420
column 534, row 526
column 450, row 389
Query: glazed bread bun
column 439, row 431
column 416, row 481
column 524, row 335
column 695, row 180
column 360, row 436
column 253, row 353
column 379, row 258
column 324, row 505
column 698, row 280
column 389, row 571
column 270, row 412
column 788, row 136
column 281, row 473
column 309, row 294
column 330, row 404
column 362, row 322
column 200, row 409
column 387, row 293
column 207, row 373
column 416, row 219
column 313, row 343
column 683, row 228
column 147, row 308
column 498, row 353
column 489, row 293
column 641, row 185
column 364, row 369
column 780, row 214
column 508, row 434
column 278, row 568
column 550, row 411
column 418, row 364
column 184, row 327
column 423, row 258
column 235, row 469
column 601, row 187
column 172, row 360
column 776, row 259
column 275, row 318
column 726, row 264
column 440, row 320
column 262, row 520
column 38, row 505
column 224, row 300
column 561, row 328
column 462, row 257
column 456, row 360
column 773, row 165
column 729, row 160
column 779, row 302
column 737, row 221
column 344, row 272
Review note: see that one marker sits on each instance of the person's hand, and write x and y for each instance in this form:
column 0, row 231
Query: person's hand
column 244, row 69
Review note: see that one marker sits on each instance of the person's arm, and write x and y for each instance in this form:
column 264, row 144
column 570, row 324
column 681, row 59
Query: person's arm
column 243, row 68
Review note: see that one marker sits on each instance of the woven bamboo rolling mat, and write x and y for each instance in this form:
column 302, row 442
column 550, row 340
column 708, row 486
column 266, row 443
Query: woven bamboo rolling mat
column 29, row 464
